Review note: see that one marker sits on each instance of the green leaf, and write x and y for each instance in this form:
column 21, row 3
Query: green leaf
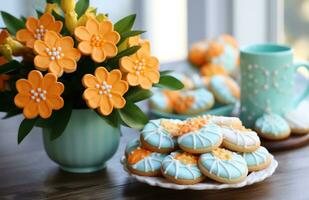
column 137, row 94
column 10, row 66
column 125, row 24
column 25, row 128
column 81, row 7
column 12, row 113
column 165, row 72
column 128, row 34
column 12, row 23
column 114, row 62
column 133, row 116
column 39, row 13
column 112, row 119
column 169, row 82
column 60, row 121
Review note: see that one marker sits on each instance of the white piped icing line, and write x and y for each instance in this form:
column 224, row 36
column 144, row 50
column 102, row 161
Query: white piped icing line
column 38, row 95
column 260, row 153
column 241, row 138
column 148, row 163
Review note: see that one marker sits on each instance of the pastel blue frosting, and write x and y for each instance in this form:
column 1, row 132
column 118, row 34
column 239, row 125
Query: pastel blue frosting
column 203, row 99
column 229, row 169
column 220, row 88
column 272, row 124
column 150, row 163
column 179, row 170
column 208, row 136
column 257, row 157
column 159, row 101
column 227, row 59
column 132, row 145
column 155, row 135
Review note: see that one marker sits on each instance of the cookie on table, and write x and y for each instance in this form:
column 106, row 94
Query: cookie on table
column 160, row 135
column 181, row 168
column 194, row 101
column 225, row 89
column 131, row 146
column 273, row 127
column 258, row 159
column 240, row 139
column 223, row 166
column 224, row 121
column 298, row 122
column 201, row 139
column 145, row 163
column 160, row 101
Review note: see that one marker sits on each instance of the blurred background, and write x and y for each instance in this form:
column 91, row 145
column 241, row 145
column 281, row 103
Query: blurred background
column 173, row 25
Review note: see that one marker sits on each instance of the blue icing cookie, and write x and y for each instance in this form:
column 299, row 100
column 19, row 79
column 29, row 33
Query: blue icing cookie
column 223, row 166
column 201, row 141
column 180, row 166
column 228, row 59
column 132, row 145
column 225, row 89
column 272, row 126
column 159, row 101
column 149, row 164
column 157, row 135
column 258, row 159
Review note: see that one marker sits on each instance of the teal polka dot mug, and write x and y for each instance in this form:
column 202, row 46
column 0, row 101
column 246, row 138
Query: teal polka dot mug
column 267, row 81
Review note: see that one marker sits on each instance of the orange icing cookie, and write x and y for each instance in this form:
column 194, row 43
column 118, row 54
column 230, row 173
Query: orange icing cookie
column 39, row 95
column 171, row 126
column 36, row 29
column 97, row 39
column 197, row 53
column 210, row 70
column 229, row 39
column 105, row 90
column 183, row 104
column 214, row 50
column 222, row 154
column 233, row 87
column 193, row 124
column 137, row 155
column 186, row 158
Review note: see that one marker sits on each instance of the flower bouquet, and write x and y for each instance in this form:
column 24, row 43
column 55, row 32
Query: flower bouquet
column 70, row 71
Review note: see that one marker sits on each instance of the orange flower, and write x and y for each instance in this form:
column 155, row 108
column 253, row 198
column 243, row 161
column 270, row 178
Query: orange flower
column 97, row 39
column 3, row 36
column 136, row 40
column 57, row 54
column 105, row 90
column 39, row 95
column 141, row 68
column 3, row 77
column 36, row 29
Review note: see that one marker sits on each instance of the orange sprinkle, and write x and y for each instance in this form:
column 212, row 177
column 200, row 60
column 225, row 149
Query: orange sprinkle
column 171, row 127
column 193, row 124
column 137, row 155
column 183, row 104
column 186, row 158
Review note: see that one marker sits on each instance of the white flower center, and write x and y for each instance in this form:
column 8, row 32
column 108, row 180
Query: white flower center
column 104, row 88
column 40, row 32
column 38, row 95
column 139, row 66
column 54, row 53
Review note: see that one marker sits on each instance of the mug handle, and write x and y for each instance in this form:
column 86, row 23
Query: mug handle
column 306, row 92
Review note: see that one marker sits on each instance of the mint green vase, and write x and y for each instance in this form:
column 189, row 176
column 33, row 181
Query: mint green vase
column 85, row 146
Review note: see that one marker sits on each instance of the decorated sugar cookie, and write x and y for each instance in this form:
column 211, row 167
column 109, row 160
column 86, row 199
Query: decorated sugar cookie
column 240, row 139
column 298, row 122
column 131, row 146
column 258, row 159
column 201, row 140
column 160, row 135
column 224, row 121
column 223, row 166
column 181, row 168
column 273, row 127
column 160, row 101
column 144, row 162
column 225, row 89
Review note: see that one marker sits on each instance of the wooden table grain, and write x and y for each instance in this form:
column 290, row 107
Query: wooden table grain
column 27, row 173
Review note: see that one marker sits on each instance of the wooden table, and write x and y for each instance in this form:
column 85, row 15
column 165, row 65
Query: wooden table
column 27, row 173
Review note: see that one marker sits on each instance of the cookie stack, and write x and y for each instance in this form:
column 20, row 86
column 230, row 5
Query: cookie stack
column 186, row 152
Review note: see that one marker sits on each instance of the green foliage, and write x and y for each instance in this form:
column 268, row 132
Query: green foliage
column 165, row 72
column 169, row 82
column 136, row 94
column 133, row 116
column 114, row 62
column 125, row 24
column 39, row 13
column 112, row 119
column 10, row 66
column 25, row 128
column 128, row 34
column 81, row 7
column 12, row 23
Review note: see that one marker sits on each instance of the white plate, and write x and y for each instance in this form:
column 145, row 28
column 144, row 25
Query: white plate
column 253, row 177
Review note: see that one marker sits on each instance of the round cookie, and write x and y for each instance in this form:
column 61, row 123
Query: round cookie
column 298, row 122
column 223, row 166
column 131, row 146
column 273, row 127
column 160, row 102
column 258, row 159
column 240, row 139
column 160, row 135
column 224, row 121
column 145, row 163
column 225, row 89
column 201, row 140
column 181, row 168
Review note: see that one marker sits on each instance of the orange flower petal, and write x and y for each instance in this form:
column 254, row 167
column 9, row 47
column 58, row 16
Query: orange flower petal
column 49, row 80
column 50, row 38
column 120, row 87
column 85, row 47
column 127, row 64
column 55, row 102
column 143, row 53
column 153, row 75
column 81, row 33
column 90, row 93
column 55, row 68
column 66, row 44
column 94, row 102
column 24, row 35
column 73, row 53
column 89, row 81
column 55, row 90
column 106, row 107
column 35, row 78
column 114, row 76
column 118, row 101
column 68, row 64
column 31, row 110
column 45, row 110
column 106, row 27
column 40, row 47
column 42, row 62
column 112, row 37
column 30, row 43
column 92, row 26
column 32, row 24
column 46, row 19
column 133, row 41
column 144, row 82
column 23, row 86
column 98, row 54
column 110, row 49
column 101, row 73
column 56, row 27
column 153, row 62
column 21, row 100
column 132, row 79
